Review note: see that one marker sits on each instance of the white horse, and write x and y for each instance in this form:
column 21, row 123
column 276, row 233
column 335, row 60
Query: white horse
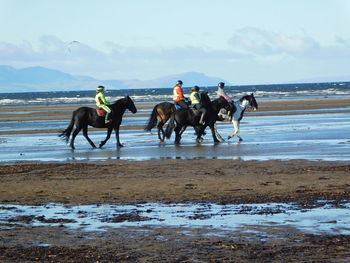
column 236, row 114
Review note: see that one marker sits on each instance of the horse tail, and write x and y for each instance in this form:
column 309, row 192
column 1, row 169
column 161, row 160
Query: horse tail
column 171, row 125
column 152, row 122
column 64, row 135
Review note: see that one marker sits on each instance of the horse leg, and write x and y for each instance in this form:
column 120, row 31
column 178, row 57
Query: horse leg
column 109, row 132
column 200, row 131
column 116, row 129
column 217, row 134
column 75, row 133
column 239, row 132
column 183, row 130
column 161, row 133
column 236, row 130
column 85, row 133
column 177, row 134
column 212, row 128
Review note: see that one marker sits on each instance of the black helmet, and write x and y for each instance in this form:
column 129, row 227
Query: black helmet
column 221, row 84
column 179, row 82
column 195, row 88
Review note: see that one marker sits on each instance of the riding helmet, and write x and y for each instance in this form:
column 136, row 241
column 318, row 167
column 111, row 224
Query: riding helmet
column 100, row 88
column 179, row 82
column 195, row 88
column 221, row 84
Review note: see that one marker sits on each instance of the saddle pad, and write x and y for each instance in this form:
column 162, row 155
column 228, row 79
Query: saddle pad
column 101, row 112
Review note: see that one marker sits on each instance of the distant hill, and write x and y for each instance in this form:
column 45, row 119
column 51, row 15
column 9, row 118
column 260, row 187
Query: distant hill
column 45, row 79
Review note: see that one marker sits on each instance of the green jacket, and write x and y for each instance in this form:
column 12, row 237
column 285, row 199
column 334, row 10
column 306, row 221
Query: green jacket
column 101, row 99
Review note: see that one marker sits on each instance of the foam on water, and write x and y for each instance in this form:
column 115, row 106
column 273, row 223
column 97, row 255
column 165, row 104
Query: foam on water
column 281, row 91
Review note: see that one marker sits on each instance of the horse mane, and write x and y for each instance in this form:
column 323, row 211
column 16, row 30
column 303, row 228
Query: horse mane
column 120, row 100
column 205, row 98
column 245, row 97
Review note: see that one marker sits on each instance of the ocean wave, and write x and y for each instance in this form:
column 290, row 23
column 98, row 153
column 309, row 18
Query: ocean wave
column 299, row 91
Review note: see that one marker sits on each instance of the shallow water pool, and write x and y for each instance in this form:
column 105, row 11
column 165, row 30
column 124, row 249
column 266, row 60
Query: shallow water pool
column 323, row 218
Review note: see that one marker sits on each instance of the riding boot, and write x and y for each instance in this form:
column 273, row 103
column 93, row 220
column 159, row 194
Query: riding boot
column 107, row 118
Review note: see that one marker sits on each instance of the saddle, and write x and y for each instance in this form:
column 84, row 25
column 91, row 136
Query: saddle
column 100, row 112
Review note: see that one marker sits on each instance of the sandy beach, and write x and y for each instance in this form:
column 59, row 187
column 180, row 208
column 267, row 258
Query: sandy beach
column 173, row 181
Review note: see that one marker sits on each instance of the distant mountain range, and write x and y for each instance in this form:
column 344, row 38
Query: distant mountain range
column 45, row 79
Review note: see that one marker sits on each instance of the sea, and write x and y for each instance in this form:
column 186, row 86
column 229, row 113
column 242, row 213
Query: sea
column 261, row 92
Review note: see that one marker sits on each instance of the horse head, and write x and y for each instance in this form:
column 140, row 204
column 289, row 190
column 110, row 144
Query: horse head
column 251, row 101
column 130, row 105
column 205, row 100
column 123, row 104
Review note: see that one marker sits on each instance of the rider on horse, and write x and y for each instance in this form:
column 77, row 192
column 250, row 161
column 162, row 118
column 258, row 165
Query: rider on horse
column 195, row 98
column 222, row 93
column 102, row 103
column 179, row 98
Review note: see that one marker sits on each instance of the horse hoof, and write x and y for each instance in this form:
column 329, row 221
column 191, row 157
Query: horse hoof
column 120, row 145
column 240, row 139
column 229, row 137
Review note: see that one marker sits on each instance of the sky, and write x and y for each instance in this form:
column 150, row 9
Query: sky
column 241, row 41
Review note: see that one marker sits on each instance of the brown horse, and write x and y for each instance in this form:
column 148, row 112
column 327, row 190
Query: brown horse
column 160, row 115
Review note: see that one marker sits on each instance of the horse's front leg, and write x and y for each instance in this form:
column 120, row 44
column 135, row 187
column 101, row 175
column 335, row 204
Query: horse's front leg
column 217, row 134
column 212, row 128
column 109, row 132
column 177, row 134
column 116, row 130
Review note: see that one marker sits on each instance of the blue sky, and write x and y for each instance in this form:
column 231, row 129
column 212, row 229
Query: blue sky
column 244, row 42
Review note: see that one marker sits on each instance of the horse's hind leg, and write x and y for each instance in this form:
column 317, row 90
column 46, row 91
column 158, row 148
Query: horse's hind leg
column 236, row 131
column 75, row 133
column 161, row 133
column 85, row 133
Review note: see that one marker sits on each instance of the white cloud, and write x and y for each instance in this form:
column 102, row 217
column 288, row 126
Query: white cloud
column 115, row 60
column 263, row 42
column 255, row 56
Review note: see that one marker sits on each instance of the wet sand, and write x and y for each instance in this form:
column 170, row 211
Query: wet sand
column 169, row 181
column 173, row 181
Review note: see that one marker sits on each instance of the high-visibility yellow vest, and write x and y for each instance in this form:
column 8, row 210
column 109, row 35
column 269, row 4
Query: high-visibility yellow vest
column 195, row 97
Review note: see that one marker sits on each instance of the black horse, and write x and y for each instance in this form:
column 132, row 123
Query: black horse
column 161, row 113
column 190, row 117
column 85, row 116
